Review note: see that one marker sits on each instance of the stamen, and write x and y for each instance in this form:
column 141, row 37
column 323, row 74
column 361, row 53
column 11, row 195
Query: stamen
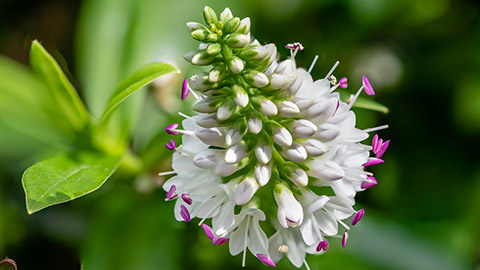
column 171, row 129
column 245, row 242
column 265, row 259
column 313, row 64
column 372, row 161
column 343, row 82
column 184, row 213
column 344, row 239
column 358, row 216
column 184, row 115
column 368, row 86
column 283, row 249
column 306, row 264
column 185, row 89
column 376, row 128
column 332, row 69
column 167, row 173
column 186, row 198
column 352, row 101
column 219, row 241
column 171, row 193
column 171, row 145
column 369, row 183
column 343, row 224
column 323, row 245
column 208, row 231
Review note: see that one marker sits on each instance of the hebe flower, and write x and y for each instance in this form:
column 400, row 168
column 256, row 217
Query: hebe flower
column 264, row 137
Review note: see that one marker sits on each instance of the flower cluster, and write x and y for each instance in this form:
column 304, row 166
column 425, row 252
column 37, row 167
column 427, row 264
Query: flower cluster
column 266, row 140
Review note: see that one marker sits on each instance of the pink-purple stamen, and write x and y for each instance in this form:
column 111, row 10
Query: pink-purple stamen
column 323, row 245
column 171, row 193
column 344, row 239
column 372, row 161
column 265, row 259
column 170, row 129
column 208, row 231
column 369, row 184
column 375, row 143
column 185, row 89
column 184, row 213
column 367, row 86
column 219, row 241
column 186, row 198
column 358, row 216
column 171, row 145
column 382, row 149
column 343, row 82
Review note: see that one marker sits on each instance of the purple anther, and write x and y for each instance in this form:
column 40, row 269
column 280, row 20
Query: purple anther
column 383, row 147
column 219, row 241
column 170, row 129
column 208, row 231
column 358, row 216
column 171, row 145
column 294, row 46
column 323, row 245
column 265, row 259
column 372, row 161
column 344, row 239
column 369, row 184
column 186, row 198
column 375, row 143
column 343, row 82
column 367, row 86
column 185, row 89
column 171, row 193
column 184, row 213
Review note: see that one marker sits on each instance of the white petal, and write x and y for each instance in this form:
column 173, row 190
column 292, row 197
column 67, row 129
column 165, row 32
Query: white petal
column 238, row 239
column 263, row 173
column 263, row 153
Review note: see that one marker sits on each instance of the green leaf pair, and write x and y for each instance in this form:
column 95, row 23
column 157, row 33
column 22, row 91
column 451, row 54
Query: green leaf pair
column 73, row 174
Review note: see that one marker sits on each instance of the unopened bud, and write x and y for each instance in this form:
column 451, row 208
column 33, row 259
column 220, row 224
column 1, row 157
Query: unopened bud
column 226, row 15
column 232, row 137
column 235, row 153
column 203, row 106
column 288, row 109
column 244, row 26
column 224, row 112
column 242, row 97
column 282, row 137
column 254, row 125
column 236, row 65
column 269, row 108
column 214, row 49
column 202, row 58
column 263, row 153
column 238, row 40
column 299, row 177
column 199, row 34
column 256, row 79
column 314, row 147
column 303, row 128
column 231, row 25
column 209, row 15
column 245, row 190
column 263, row 173
column 295, row 153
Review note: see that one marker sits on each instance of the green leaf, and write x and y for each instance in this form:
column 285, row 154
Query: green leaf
column 370, row 104
column 66, row 177
column 138, row 79
column 63, row 91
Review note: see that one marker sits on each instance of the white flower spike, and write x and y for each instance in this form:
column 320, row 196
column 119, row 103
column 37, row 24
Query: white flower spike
column 264, row 128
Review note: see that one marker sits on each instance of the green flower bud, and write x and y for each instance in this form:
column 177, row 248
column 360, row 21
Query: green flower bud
column 212, row 37
column 238, row 40
column 214, row 49
column 225, row 15
column 209, row 15
column 199, row 34
column 231, row 25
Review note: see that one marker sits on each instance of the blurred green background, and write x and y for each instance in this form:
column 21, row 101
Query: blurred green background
column 422, row 56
